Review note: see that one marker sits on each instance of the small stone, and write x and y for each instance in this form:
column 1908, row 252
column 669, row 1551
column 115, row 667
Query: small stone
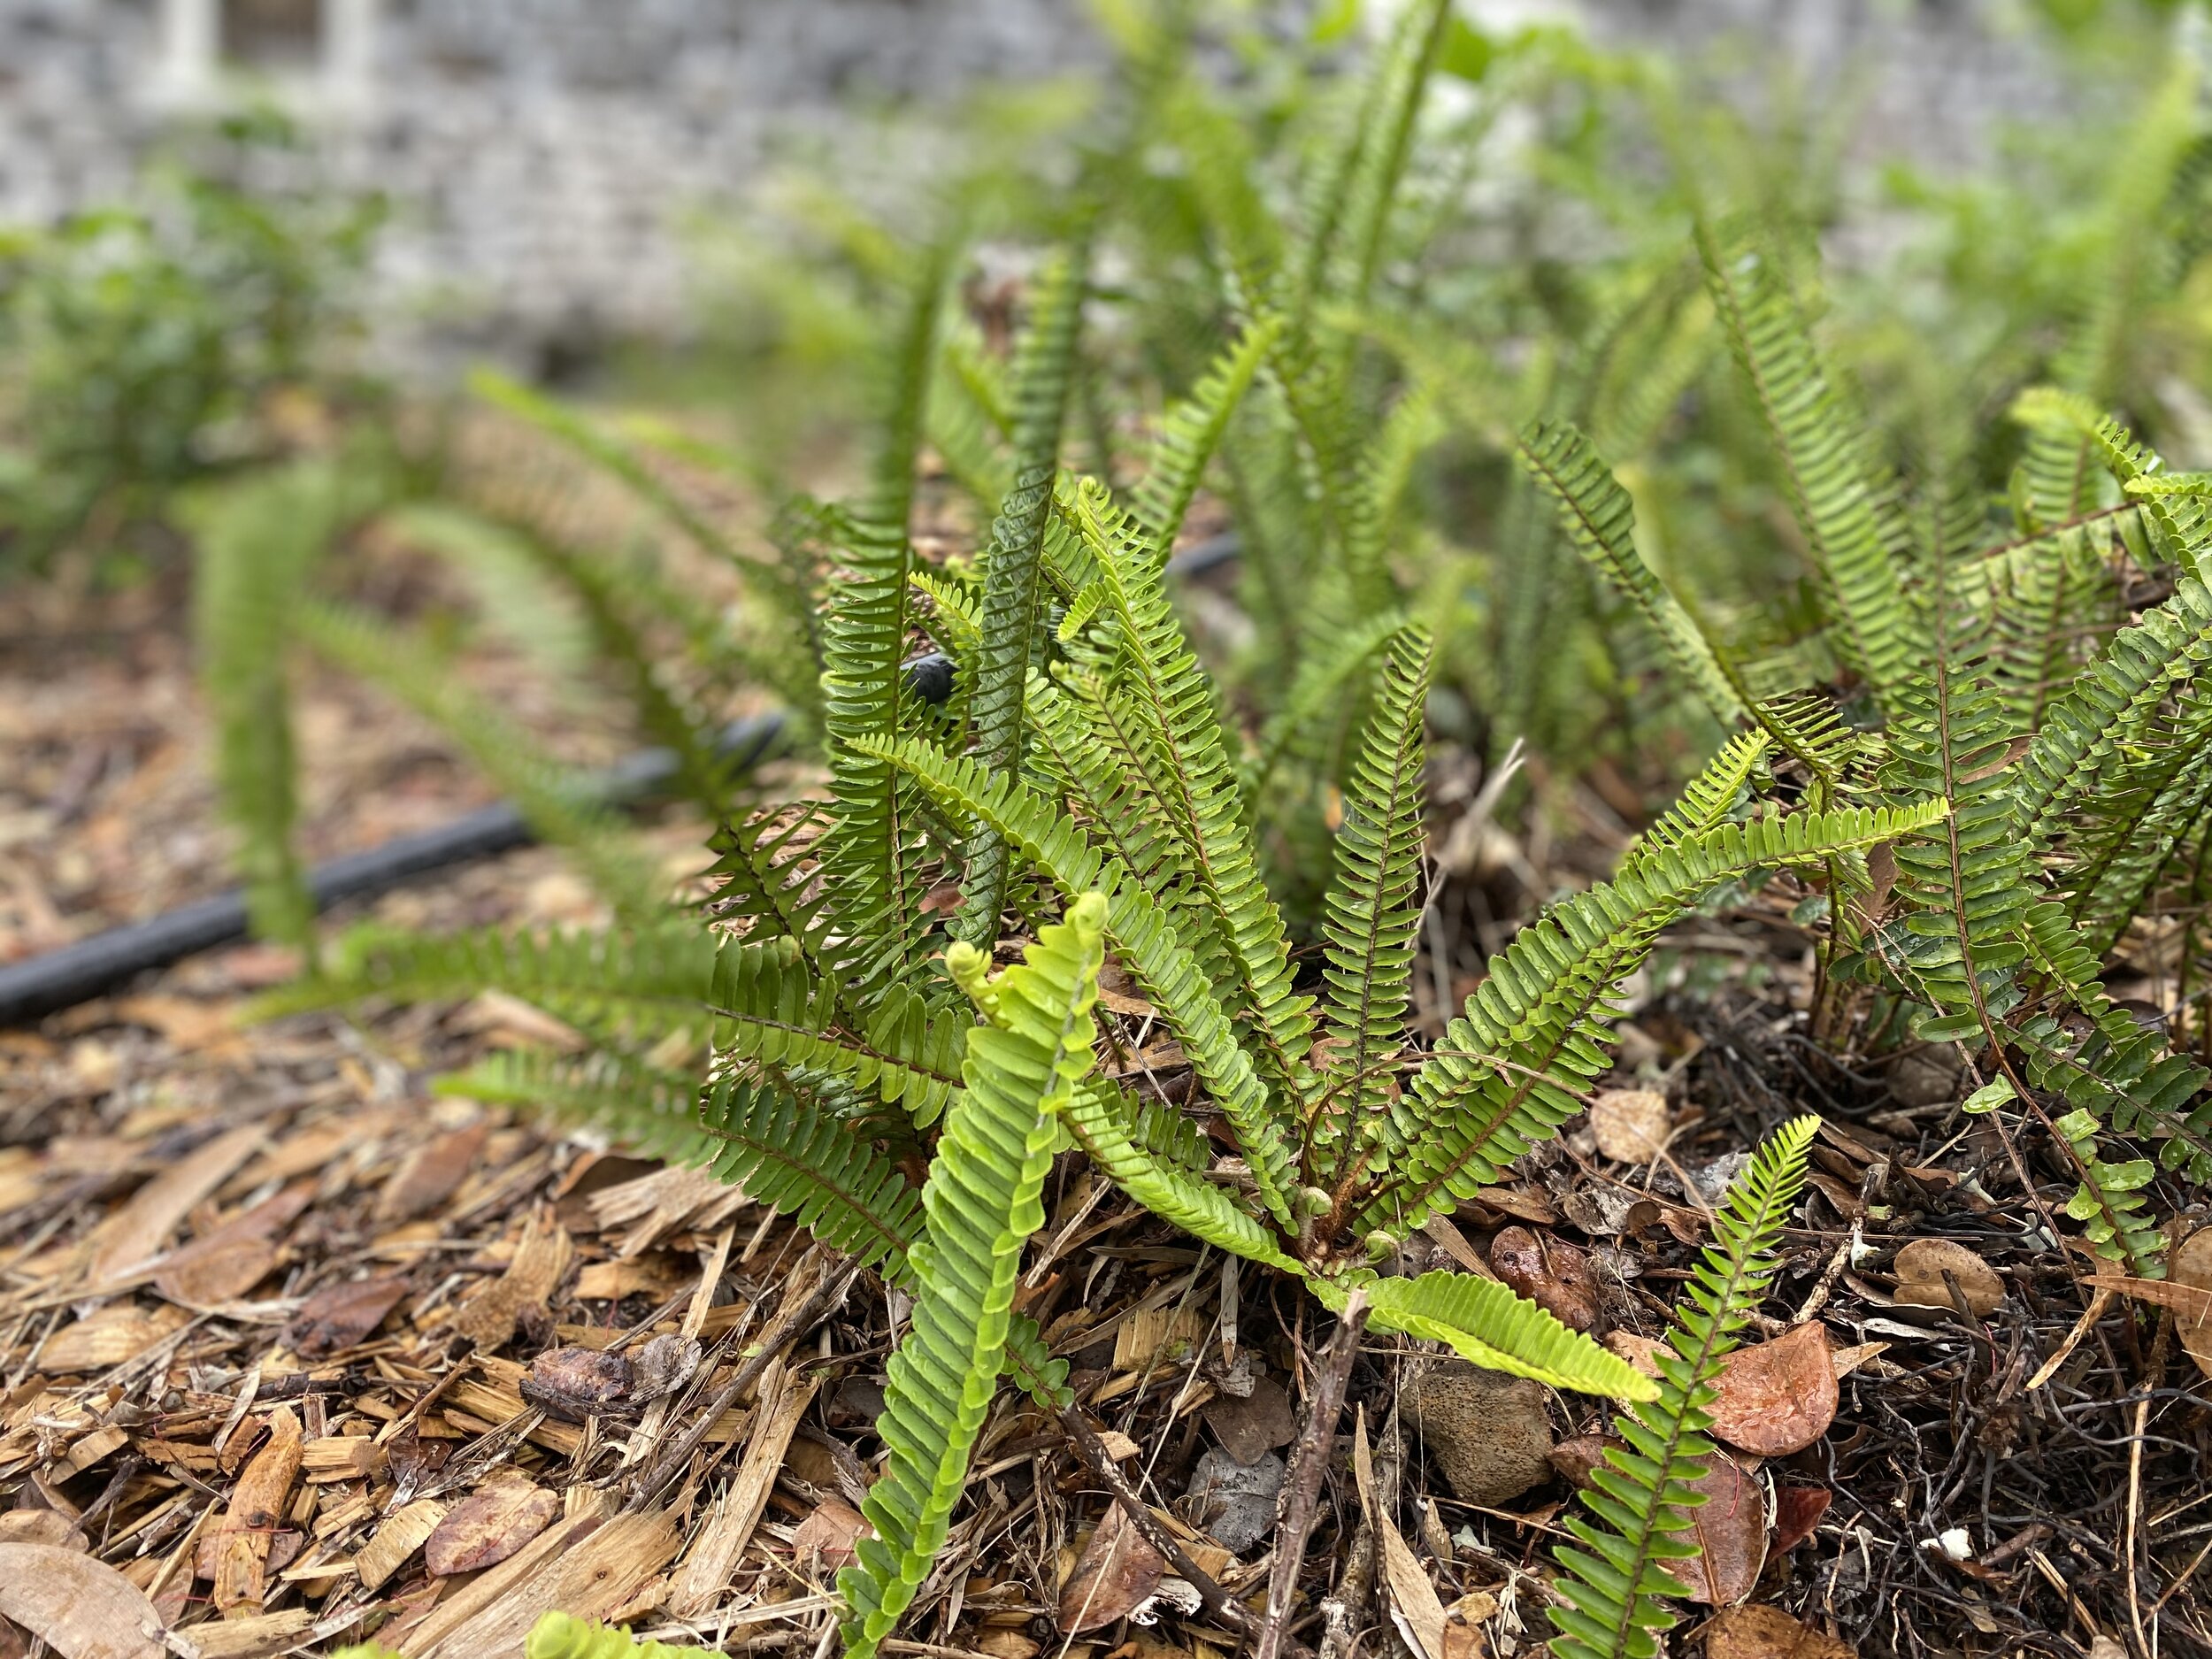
column 1489, row 1433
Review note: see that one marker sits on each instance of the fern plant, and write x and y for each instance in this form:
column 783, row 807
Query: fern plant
column 1639, row 1501
column 2071, row 789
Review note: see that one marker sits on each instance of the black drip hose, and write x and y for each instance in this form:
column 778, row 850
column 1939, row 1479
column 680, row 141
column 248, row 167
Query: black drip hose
column 56, row 979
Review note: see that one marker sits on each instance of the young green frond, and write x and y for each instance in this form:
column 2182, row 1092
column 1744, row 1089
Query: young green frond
column 982, row 1202
column 1012, row 572
column 1481, row 1320
column 257, row 541
column 1372, row 912
column 1639, row 1499
column 1826, row 458
column 1601, row 519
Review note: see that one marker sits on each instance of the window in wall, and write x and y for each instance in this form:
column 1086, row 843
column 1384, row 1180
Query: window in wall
column 272, row 34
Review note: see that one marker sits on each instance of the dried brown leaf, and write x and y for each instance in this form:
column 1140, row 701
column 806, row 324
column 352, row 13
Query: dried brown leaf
column 235, row 1257
column 1550, row 1273
column 825, row 1538
column 1776, row 1397
column 430, row 1174
column 2192, row 1269
column 1415, row 1607
column 489, row 1525
column 1250, row 1428
column 80, row 1608
column 1115, row 1574
column 1922, row 1264
column 576, row 1383
column 1767, row 1632
column 1797, row 1510
column 1631, row 1124
column 1731, row 1528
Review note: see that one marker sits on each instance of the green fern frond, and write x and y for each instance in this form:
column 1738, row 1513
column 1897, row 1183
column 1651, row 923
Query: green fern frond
column 1639, row 1498
column 1601, row 519
column 1826, row 458
column 1968, row 885
column 1145, row 942
column 638, row 984
column 1481, row 1320
column 982, row 1202
column 1371, row 912
column 1323, row 684
column 772, row 1010
column 1154, row 673
column 1187, row 434
column 653, row 1111
column 2110, row 1202
column 1012, row 570
column 1709, row 800
column 551, row 799
column 1512, row 1068
column 804, row 1162
column 871, row 852
column 257, row 542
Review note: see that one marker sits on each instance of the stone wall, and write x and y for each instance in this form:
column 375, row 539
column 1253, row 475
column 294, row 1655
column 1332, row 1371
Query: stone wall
column 541, row 154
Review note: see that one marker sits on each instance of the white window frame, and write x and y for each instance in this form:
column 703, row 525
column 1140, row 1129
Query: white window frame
column 191, row 72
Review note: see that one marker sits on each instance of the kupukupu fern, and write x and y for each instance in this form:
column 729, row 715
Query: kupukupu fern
column 1639, row 1500
column 562, row 1636
column 982, row 1202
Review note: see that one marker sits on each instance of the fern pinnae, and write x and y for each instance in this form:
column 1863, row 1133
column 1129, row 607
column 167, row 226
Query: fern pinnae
column 1826, row 458
column 1146, row 941
column 651, row 1110
column 1638, row 1500
column 563, row 1636
column 1189, row 432
column 872, row 849
column 1543, row 1006
column 982, row 1202
column 1190, row 772
column 1601, row 519
column 1371, row 913
column 1012, row 570
column 257, row 542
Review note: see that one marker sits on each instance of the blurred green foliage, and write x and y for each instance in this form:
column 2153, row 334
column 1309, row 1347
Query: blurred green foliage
column 144, row 348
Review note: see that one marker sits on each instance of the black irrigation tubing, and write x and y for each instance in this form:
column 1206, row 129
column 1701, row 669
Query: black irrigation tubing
column 56, row 979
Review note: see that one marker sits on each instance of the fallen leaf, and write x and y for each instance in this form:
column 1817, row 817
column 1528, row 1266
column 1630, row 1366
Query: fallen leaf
column 1631, row 1124
column 1767, row 1632
column 1731, row 1529
column 1491, row 1433
column 1641, row 1352
column 429, row 1175
column 1117, row 1574
column 825, row 1538
column 1776, row 1397
column 489, row 1526
column 1250, row 1428
column 576, row 1383
column 1550, row 1273
column 1922, row 1264
column 338, row 1316
column 235, row 1257
column 1463, row 1621
column 1844, row 1360
column 1415, row 1607
column 1233, row 1501
column 1797, row 1510
column 2191, row 1266
column 80, row 1608
column 541, row 1262
column 110, row 1335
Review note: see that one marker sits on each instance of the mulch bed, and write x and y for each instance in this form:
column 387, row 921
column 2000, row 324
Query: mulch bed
column 309, row 1353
